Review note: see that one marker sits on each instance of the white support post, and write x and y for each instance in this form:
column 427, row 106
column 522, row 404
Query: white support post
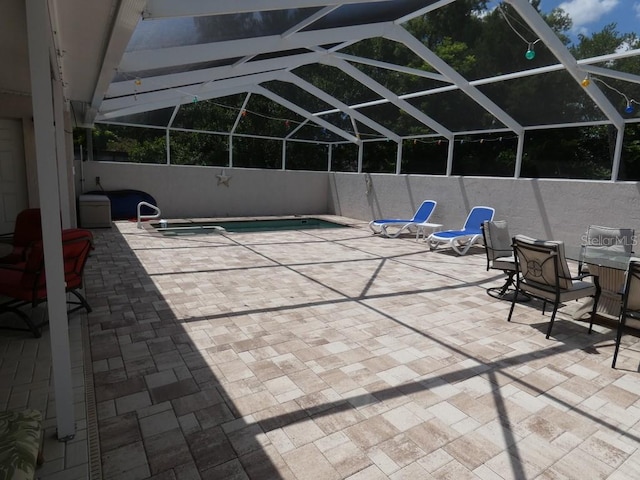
column 38, row 34
column 329, row 157
column 617, row 155
column 399, row 158
column 452, row 142
column 167, row 146
column 360, row 156
column 89, row 137
column 61, row 153
column 167, row 140
column 284, row 155
column 519, row 152
column 230, row 151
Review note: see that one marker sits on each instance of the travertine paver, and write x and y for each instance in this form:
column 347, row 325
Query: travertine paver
column 336, row 354
column 26, row 382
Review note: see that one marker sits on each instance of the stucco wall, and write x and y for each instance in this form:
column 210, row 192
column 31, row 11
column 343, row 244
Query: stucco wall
column 557, row 209
column 189, row 191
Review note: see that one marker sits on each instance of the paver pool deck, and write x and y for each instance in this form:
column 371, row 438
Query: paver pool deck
column 326, row 354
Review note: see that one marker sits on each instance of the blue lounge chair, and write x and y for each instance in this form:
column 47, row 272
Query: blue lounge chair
column 462, row 240
column 421, row 216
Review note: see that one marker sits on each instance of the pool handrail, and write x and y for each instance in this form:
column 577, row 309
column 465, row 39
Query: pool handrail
column 147, row 217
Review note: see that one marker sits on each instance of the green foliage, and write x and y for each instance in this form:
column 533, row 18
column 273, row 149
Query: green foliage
column 189, row 148
column 474, row 41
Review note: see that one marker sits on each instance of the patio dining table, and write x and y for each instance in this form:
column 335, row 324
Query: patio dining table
column 610, row 267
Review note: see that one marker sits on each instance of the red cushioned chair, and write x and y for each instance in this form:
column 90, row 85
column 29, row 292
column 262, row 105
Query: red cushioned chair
column 25, row 284
column 27, row 231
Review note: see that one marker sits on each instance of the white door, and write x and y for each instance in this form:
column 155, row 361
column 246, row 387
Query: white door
column 13, row 177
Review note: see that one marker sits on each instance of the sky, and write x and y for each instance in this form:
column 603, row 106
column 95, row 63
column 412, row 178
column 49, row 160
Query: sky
column 590, row 16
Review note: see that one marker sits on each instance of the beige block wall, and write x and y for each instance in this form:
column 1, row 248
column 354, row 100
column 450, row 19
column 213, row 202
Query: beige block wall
column 558, row 209
column 191, row 191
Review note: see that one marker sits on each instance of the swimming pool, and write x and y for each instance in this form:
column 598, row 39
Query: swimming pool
column 241, row 226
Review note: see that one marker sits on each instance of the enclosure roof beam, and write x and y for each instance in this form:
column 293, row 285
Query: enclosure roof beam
column 124, row 24
column 111, row 117
column 607, row 72
column 399, row 34
column 423, row 11
column 171, row 97
column 610, row 56
column 128, row 87
column 557, row 48
column 387, row 94
column 199, row 8
column 107, row 117
column 324, row 96
column 392, row 66
column 140, row 60
column 304, row 113
column 310, row 20
column 176, row 80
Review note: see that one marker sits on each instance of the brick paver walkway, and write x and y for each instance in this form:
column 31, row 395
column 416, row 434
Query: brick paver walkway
column 336, row 354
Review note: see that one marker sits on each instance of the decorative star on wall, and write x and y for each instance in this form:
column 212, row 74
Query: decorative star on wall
column 223, row 178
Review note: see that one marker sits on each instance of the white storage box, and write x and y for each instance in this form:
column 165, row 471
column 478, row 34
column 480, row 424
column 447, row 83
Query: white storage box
column 95, row 211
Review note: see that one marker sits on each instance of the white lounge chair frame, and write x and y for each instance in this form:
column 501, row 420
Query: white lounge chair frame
column 471, row 233
column 422, row 215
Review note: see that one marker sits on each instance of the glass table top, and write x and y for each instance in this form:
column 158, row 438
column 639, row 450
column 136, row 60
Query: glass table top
column 604, row 257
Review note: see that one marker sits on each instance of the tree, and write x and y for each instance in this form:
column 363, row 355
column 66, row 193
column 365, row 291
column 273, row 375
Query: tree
column 476, row 42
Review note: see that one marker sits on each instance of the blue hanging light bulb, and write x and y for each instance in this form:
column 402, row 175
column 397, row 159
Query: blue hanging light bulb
column 629, row 108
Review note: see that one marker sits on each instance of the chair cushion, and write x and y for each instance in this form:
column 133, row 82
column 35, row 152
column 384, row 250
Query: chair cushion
column 26, row 281
column 28, row 228
column 632, row 285
column 449, row 234
column 17, row 255
column 17, row 284
column 390, row 220
column 498, row 240
column 540, row 260
column 504, row 263
column 578, row 289
column 612, row 239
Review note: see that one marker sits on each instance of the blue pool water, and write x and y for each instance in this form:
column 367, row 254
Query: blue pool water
column 239, row 226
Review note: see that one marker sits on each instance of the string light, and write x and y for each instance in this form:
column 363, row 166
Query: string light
column 288, row 122
column 463, row 141
column 628, row 109
column 530, row 54
column 137, row 82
